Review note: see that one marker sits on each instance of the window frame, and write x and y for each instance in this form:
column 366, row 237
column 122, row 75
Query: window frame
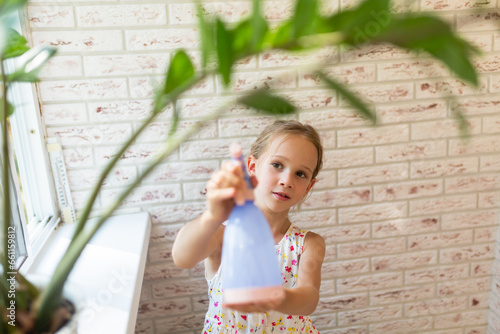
column 39, row 212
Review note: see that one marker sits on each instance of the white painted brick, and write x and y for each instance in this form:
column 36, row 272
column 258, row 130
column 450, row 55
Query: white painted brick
column 436, row 5
column 443, row 204
column 176, row 212
column 373, row 174
column 338, row 197
column 162, row 234
column 311, row 99
column 373, row 136
column 462, row 319
column 87, row 178
column 398, row 191
column 467, row 184
column 277, row 79
column 385, row 93
column 345, row 268
column 482, row 235
column 435, row 306
column 482, row 41
column 443, row 129
column 372, row 212
column 194, row 191
column 343, row 302
column 144, row 87
column 243, row 126
column 190, row 322
column 51, row 16
column 60, row 66
column 325, row 179
column 121, row 15
column 400, row 326
column 368, row 248
column 439, row 88
column 124, row 65
column 314, row 218
column 278, row 10
column 186, row 13
column 369, row 315
column 350, row 74
column 54, row 114
column 68, row 90
column 126, row 110
column 461, row 254
column 162, row 39
column 476, row 145
column 78, row 157
column 333, row 118
column 437, row 273
column 405, row 226
column 412, row 151
column 490, row 163
column 443, row 167
column 342, row 158
column 369, row 282
column 399, row 295
column 210, row 148
column 478, row 105
column 139, row 153
column 414, row 111
column 79, row 41
column 145, row 195
column 158, row 131
column 407, row 70
column 374, row 52
column 202, row 106
column 481, row 268
column 489, row 200
column 182, row 171
column 158, row 308
column 281, row 58
column 92, row 135
column 495, row 84
column 469, row 219
column 404, row 261
column 439, row 240
column 337, row 234
column 481, row 21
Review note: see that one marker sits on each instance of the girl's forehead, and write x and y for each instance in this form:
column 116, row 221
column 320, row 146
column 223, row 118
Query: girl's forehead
column 291, row 144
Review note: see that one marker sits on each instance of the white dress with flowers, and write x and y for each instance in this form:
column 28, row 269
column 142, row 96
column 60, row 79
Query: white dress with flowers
column 221, row 320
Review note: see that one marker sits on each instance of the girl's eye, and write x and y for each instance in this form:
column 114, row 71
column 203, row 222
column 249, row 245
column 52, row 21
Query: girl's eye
column 276, row 165
column 301, row 174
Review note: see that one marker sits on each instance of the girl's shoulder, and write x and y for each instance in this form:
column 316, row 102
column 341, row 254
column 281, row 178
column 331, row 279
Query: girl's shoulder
column 314, row 242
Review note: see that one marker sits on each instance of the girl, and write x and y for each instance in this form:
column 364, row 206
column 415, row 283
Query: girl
column 283, row 163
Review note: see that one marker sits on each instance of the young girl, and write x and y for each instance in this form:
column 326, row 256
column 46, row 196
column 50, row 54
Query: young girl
column 283, row 163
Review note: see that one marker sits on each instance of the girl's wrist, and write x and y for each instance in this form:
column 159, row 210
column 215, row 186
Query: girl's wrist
column 209, row 219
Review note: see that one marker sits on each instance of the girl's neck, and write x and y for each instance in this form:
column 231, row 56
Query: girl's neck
column 279, row 224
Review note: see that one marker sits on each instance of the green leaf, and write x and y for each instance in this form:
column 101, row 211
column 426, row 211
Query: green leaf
column 180, row 71
column 259, row 27
column 281, row 38
column 262, row 100
column 242, row 36
column 434, row 36
column 207, row 33
column 361, row 24
column 7, row 6
column 16, row 45
column 356, row 102
column 30, row 63
column 224, row 52
column 10, row 108
column 304, row 17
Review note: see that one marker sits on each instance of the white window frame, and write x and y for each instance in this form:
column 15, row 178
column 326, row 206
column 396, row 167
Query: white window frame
column 29, row 143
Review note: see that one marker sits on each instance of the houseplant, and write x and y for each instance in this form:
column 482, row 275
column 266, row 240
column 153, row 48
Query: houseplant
column 222, row 46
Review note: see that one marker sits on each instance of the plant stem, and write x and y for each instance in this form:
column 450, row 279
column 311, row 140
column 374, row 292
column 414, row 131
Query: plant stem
column 111, row 164
column 53, row 291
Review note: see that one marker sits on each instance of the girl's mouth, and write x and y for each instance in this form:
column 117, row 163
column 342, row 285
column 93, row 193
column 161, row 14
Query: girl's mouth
column 281, row 196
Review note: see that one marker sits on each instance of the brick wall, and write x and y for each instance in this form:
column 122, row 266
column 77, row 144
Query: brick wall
column 408, row 210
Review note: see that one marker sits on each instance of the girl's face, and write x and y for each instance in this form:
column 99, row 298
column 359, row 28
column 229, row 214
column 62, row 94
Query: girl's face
column 284, row 172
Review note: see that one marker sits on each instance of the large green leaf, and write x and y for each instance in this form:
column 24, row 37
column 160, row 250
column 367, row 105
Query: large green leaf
column 7, row 6
column 15, row 45
column 207, row 37
column 224, row 52
column 10, row 108
column 259, row 27
column 304, row 18
column 361, row 107
column 180, row 71
column 272, row 104
column 360, row 24
column 432, row 35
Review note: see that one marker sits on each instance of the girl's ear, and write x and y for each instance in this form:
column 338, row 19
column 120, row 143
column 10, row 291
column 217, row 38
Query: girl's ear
column 251, row 163
column 309, row 187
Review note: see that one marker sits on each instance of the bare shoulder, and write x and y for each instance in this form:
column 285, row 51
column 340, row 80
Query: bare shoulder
column 314, row 242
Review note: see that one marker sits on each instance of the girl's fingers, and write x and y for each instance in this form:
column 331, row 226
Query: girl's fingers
column 221, row 194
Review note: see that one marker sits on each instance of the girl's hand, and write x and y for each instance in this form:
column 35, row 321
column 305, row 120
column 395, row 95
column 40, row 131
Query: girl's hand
column 224, row 188
column 261, row 307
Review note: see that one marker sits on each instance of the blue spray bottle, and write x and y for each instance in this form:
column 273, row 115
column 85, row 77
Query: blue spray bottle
column 250, row 267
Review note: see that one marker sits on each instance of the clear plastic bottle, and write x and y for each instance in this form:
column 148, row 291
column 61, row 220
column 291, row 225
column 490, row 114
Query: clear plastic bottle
column 250, row 267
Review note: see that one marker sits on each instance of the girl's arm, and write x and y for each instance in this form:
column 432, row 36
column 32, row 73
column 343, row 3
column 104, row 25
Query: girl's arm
column 202, row 236
column 303, row 299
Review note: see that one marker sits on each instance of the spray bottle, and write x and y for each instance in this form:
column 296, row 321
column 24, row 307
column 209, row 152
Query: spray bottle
column 250, row 267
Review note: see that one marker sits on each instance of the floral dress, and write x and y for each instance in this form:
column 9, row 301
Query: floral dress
column 219, row 320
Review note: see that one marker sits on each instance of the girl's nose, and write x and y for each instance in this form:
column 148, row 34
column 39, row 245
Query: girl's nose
column 286, row 181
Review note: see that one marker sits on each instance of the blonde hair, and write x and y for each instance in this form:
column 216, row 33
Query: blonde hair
column 282, row 127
